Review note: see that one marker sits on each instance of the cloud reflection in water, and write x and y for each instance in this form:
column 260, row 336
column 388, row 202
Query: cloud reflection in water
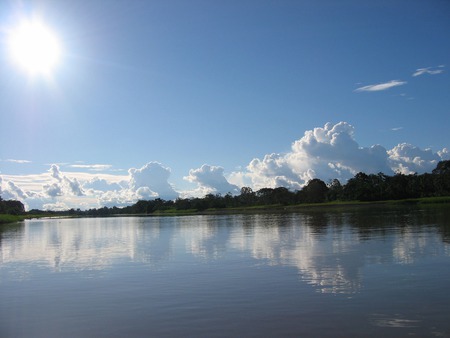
column 329, row 250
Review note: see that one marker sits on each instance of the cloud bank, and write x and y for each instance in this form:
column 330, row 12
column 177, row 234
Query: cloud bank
column 327, row 152
column 332, row 152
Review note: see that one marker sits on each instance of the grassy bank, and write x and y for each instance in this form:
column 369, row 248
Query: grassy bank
column 4, row 219
column 11, row 218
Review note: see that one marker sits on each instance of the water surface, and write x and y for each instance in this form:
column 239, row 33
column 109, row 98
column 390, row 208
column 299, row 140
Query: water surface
column 361, row 272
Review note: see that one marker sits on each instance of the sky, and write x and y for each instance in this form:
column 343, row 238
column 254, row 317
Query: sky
column 172, row 98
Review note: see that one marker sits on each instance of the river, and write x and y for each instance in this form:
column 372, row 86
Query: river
column 375, row 271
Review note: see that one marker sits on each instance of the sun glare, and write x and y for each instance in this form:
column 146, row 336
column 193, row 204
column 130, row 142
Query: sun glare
column 34, row 47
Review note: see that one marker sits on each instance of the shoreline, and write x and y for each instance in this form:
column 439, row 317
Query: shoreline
column 8, row 219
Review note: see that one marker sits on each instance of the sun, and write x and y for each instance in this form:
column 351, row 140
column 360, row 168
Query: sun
column 34, row 47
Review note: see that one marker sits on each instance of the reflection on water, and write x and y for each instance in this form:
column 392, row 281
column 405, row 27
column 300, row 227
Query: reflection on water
column 362, row 272
column 78, row 244
column 329, row 250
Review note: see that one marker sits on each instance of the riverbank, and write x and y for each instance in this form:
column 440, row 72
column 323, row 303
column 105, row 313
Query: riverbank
column 305, row 207
column 4, row 219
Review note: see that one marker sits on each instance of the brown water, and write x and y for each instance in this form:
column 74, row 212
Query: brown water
column 364, row 272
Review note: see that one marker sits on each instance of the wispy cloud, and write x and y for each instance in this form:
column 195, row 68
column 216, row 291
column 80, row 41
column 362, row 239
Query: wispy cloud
column 396, row 128
column 17, row 161
column 92, row 167
column 380, row 86
column 429, row 70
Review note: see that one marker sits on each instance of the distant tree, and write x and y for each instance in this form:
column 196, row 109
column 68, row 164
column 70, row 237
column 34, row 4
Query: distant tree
column 215, row 201
column 247, row 196
column 282, row 195
column 265, row 196
column 335, row 190
column 183, row 204
column 358, row 188
column 229, row 200
column 11, row 207
column 441, row 178
column 442, row 168
column 142, row 207
column 315, row 191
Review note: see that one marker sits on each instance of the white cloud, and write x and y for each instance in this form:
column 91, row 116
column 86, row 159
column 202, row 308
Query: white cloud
column 380, row 86
column 154, row 176
column 407, row 159
column 57, row 206
column 444, row 154
column 56, row 189
column 63, row 183
column 18, row 161
column 120, row 198
column 53, row 190
column 14, row 192
column 92, row 167
column 211, row 179
column 429, row 71
column 272, row 171
column 74, row 186
column 101, row 184
column 239, row 178
column 332, row 152
column 54, row 172
column 326, row 152
column 39, row 191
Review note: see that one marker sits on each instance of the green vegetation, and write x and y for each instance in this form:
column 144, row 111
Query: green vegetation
column 5, row 218
column 362, row 189
column 11, row 211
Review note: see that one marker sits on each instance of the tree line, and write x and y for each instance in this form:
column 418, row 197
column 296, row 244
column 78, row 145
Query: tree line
column 362, row 187
column 11, row 207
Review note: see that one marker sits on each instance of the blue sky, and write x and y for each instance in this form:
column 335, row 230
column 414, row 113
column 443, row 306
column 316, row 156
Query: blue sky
column 167, row 87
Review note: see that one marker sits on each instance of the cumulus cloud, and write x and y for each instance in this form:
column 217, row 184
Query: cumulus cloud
column 153, row 176
column 429, row 71
column 210, row 179
column 56, row 206
column 101, row 184
column 53, row 190
column 59, row 189
column 74, row 186
column 118, row 198
column 332, row 152
column 444, row 154
column 327, row 152
column 407, row 159
column 63, row 184
column 13, row 192
column 54, row 172
column 380, row 86
column 335, row 144
column 39, row 191
column 276, row 170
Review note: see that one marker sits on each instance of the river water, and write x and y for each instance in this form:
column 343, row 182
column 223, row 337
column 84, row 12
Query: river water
column 362, row 272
